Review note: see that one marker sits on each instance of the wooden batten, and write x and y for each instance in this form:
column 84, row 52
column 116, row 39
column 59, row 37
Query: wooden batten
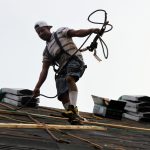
column 51, row 126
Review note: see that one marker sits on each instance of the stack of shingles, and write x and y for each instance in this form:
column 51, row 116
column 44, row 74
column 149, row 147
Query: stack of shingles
column 108, row 108
column 137, row 107
column 18, row 97
column 100, row 105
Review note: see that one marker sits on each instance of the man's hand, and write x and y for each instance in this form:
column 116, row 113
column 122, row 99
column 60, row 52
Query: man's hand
column 100, row 31
column 36, row 92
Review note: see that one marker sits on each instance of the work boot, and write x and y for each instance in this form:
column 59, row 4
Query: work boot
column 69, row 113
column 78, row 115
column 73, row 114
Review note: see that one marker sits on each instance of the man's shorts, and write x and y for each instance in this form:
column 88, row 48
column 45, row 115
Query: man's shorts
column 73, row 68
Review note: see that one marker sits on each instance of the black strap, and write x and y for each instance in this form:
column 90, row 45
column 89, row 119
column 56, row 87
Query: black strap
column 60, row 46
column 63, row 51
column 48, row 54
column 58, row 42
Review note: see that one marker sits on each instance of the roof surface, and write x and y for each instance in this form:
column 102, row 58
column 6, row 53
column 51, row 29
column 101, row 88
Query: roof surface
column 120, row 134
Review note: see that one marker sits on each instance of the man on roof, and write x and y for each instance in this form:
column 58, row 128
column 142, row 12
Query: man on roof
column 61, row 50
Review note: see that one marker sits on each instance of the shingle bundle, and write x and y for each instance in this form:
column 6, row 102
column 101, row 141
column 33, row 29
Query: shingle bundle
column 18, row 97
column 137, row 107
column 100, row 105
column 108, row 108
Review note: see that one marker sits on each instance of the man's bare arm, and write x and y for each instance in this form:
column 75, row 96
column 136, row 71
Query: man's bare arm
column 42, row 78
column 82, row 32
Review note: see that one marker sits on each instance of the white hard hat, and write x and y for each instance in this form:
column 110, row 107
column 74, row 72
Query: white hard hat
column 40, row 24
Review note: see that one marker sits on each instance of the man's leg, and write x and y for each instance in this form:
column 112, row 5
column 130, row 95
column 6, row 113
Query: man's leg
column 69, row 108
column 73, row 91
column 65, row 100
column 69, row 100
